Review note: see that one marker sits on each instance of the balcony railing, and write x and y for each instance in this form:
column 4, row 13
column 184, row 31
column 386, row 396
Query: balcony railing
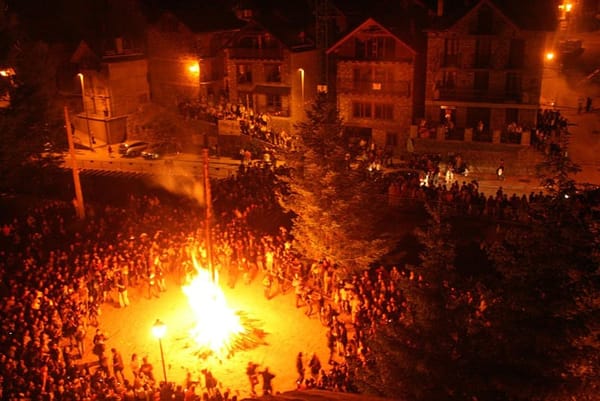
column 401, row 88
column 250, row 53
column 479, row 95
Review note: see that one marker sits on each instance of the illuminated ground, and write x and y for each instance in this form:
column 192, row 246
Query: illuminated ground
column 288, row 330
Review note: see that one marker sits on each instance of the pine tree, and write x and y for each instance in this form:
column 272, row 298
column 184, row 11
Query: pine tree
column 35, row 114
column 338, row 210
column 428, row 354
column 557, row 169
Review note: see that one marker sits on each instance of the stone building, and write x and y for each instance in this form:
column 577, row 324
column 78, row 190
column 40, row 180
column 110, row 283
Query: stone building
column 375, row 84
column 272, row 71
column 484, row 73
column 114, row 84
column 185, row 55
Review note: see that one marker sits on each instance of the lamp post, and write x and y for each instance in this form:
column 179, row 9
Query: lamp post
column 159, row 329
column 301, row 71
column 85, row 110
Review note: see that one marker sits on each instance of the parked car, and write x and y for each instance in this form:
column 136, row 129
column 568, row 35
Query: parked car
column 132, row 148
column 161, row 149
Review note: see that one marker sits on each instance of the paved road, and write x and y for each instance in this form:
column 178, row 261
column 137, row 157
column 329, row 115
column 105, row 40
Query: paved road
column 183, row 164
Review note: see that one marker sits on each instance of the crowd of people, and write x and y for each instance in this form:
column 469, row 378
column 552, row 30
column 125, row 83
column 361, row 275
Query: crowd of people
column 57, row 275
column 550, row 124
column 252, row 123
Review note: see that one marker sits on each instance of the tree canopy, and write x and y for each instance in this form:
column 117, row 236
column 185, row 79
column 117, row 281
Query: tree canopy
column 524, row 325
column 338, row 209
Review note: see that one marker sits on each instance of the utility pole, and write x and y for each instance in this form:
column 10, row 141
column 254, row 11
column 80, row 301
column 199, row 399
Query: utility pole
column 78, row 193
column 208, row 209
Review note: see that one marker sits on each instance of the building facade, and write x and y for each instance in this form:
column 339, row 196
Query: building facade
column 271, row 75
column 184, row 62
column 113, row 86
column 375, row 83
column 484, row 77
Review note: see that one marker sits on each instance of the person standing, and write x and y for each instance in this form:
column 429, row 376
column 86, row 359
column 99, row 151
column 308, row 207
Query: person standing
column 588, row 104
column 252, row 376
column 122, row 289
column 135, row 365
column 80, row 339
column 315, row 367
column 267, row 284
column 300, row 369
column 118, row 365
column 267, row 381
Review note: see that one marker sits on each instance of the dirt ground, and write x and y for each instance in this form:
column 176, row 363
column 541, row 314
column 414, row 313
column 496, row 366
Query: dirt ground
column 288, row 331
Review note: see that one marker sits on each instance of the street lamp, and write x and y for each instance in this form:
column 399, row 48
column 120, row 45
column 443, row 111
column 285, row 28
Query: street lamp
column 301, row 71
column 159, row 329
column 85, row 110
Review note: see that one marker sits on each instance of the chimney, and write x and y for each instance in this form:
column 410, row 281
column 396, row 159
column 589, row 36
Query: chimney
column 440, row 8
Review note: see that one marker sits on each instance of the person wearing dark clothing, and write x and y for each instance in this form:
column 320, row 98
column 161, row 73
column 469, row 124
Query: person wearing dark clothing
column 252, row 376
column 314, row 366
column 267, row 379
column 118, row 365
column 300, row 369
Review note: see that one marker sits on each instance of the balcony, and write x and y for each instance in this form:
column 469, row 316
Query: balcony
column 370, row 87
column 479, row 95
column 259, row 54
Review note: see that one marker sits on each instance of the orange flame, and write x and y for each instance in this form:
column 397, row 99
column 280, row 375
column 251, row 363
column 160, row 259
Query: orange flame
column 216, row 324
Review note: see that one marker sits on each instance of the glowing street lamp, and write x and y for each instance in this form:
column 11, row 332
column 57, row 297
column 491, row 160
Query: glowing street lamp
column 301, row 71
column 159, row 329
column 194, row 68
column 549, row 56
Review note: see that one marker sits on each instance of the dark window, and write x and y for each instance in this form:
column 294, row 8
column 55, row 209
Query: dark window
column 481, row 81
column 244, row 74
column 273, row 72
column 449, row 81
column 450, row 52
column 483, row 52
column 516, row 53
column 361, row 110
column 513, row 84
column 485, row 20
column 274, row 102
column 384, row 111
column 377, row 48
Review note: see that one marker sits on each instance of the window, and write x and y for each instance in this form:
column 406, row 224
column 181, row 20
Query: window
column 361, row 110
column 383, row 75
column 481, row 81
column 449, row 80
column 402, row 88
column 516, row 53
column 485, row 20
column 274, row 102
column 273, row 72
column 376, row 48
column 513, row 84
column 450, row 52
column 384, row 111
column 483, row 52
column 244, row 73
